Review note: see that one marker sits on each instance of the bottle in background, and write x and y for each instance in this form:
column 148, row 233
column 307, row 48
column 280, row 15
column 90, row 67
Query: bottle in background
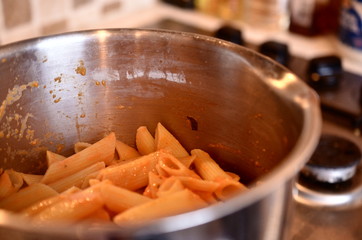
column 314, row 17
column 350, row 33
column 224, row 9
column 267, row 14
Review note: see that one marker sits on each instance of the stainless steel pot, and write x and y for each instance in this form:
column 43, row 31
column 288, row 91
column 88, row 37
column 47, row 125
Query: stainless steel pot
column 249, row 113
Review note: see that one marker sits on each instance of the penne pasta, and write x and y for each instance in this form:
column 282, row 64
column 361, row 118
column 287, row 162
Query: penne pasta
column 228, row 188
column 41, row 205
column 101, row 151
column 79, row 146
column 87, row 179
column 208, row 197
column 198, row 184
column 110, row 181
column 126, row 152
column 27, row 196
column 15, row 178
column 101, row 216
column 31, row 178
column 210, row 170
column 74, row 207
column 169, row 186
column 154, row 183
column 145, row 141
column 165, row 140
column 162, row 207
column 233, row 176
column 134, row 174
column 168, row 165
column 206, row 167
column 7, row 187
column 53, row 157
column 119, row 199
column 77, row 179
column 187, row 161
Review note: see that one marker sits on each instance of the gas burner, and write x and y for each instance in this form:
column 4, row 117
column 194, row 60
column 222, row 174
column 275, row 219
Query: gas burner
column 333, row 175
column 335, row 160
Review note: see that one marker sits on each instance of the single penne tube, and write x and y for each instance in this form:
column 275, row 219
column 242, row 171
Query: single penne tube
column 165, row 140
column 233, row 176
column 101, row 151
column 100, row 216
column 119, row 199
column 208, row 197
column 169, row 186
column 134, row 174
column 171, row 166
column 41, row 205
column 199, row 184
column 27, row 196
column 168, row 205
column 77, row 179
column 88, row 178
column 206, row 167
column 16, row 178
column 73, row 208
column 154, row 183
column 145, row 141
column 228, row 188
column 53, row 157
column 79, row 146
column 126, row 152
column 6, row 186
column 31, row 178
column 187, row 161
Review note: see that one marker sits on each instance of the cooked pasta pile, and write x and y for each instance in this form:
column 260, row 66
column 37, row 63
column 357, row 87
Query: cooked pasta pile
column 112, row 181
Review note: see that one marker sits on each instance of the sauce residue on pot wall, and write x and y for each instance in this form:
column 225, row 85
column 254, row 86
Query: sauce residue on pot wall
column 81, row 68
column 14, row 95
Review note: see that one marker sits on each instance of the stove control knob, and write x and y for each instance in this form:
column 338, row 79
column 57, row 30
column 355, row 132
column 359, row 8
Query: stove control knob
column 324, row 73
column 276, row 51
column 335, row 160
column 230, row 34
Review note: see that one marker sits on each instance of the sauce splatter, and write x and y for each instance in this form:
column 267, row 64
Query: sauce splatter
column 81, row 69
column 58, row 79
column 14, row 95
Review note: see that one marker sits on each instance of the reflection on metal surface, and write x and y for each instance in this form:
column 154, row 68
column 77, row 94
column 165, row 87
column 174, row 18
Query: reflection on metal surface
column 317, row 198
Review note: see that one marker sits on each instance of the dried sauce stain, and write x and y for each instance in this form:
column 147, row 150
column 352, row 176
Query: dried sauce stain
column 120, row 107
column 60, row 148
column 103, row 83
column 58, row 79
column 98, row 83
column 14, row 95
column 57, row 100
column 3, row 60
column 81, row 68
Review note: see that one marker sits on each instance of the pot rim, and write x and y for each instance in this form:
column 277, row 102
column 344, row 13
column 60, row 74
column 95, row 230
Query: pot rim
column 302, row 95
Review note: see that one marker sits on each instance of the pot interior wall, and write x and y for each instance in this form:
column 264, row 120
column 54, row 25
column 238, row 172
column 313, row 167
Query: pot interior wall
column 209, row 94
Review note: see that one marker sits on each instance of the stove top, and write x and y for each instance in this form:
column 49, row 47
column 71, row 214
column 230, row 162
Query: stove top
column 322, row 210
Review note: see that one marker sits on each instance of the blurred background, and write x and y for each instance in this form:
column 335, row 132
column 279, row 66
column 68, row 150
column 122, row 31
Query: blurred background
column 310, row 27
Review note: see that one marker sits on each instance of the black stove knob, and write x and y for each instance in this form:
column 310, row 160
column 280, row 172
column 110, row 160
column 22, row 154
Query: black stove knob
column 335, row 160
column 230, row 34
column 324, row 73
column 187, row 4
column 276, row 51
